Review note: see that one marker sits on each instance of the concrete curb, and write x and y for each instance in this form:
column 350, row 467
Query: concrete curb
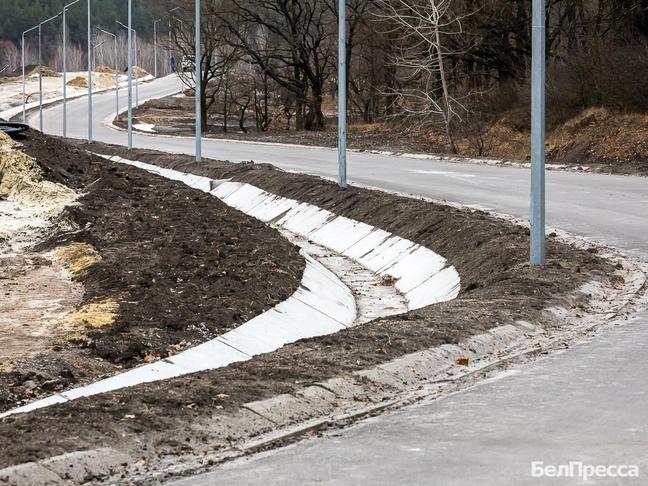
column 322, row 305
column 79, row 467
column 421, row 275
column 427, row 374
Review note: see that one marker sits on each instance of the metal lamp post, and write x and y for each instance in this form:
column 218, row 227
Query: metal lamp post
column 94, row 53
column 114, row 36
column 136, row 72
column 198, row 90
column 65, row 67
column 342, row 94
column 24, row 95
column 40, row 69
column 130, row 75
column 155, row 53
column 89, row 71
column 538, row 72
column 169, row 31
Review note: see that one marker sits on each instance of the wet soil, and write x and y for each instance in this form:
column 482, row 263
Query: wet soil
column 498, row 287
column 182, row 266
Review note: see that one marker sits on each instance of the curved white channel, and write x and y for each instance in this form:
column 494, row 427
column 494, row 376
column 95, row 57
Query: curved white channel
column 322, row 305
column 422, row 276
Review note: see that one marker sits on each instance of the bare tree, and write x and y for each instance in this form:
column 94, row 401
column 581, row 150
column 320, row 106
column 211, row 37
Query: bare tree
column 217, row 54
column 292, row 42
column 9, row 56
column 422, row 26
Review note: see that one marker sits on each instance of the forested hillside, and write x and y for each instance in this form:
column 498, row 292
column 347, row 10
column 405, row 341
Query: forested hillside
column 18, row 16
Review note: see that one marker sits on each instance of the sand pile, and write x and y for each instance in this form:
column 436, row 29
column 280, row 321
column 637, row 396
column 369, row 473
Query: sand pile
column 139, row 72
column 79, row 82
column 104, row 69
column 21, row 181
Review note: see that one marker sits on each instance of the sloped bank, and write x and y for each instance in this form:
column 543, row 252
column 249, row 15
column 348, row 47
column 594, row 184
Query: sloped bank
column 223, row 406
column 164, row 268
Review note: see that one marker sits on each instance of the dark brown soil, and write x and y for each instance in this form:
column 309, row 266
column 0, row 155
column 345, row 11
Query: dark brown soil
column 498, row 287
column 183, row 266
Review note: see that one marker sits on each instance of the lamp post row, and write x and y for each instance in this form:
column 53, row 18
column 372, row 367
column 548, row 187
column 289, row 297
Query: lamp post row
column 538, row 75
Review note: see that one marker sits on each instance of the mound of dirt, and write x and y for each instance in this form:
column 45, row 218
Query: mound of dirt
column 50, row 73
column 104, row 69
column 22, row 180
column 164, row 268
column 78, row 82
column 140, row 72
column 601, row 137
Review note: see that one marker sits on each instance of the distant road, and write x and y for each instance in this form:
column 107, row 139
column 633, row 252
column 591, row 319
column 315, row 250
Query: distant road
column 587, row 404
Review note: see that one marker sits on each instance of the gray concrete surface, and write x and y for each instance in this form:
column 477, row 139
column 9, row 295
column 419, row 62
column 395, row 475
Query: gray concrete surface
column 587, row 404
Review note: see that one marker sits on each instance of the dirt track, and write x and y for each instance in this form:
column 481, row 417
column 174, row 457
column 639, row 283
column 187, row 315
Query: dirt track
column 498, row 287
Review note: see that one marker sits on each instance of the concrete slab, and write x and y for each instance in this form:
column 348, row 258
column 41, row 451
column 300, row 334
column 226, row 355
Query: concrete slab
column 382, row 378
column 29, row 474
column 341, row 233
column 415, row 268
column 387, row 253
column 272, row 208
column 420, row 367
column 367, row 244
column 229, row 428
column 206, row 356
column 284, row 409
column 305, row 218
column 441, row 287
column 44, row 402
column 85, row 466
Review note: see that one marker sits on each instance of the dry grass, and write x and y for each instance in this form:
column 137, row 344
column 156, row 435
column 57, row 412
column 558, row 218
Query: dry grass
column 93, row 315
column 77, row 257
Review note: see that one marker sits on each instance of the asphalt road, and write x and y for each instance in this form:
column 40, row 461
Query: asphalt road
column 588, row 404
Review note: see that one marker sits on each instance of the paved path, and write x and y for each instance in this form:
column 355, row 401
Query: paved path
column 587, row 404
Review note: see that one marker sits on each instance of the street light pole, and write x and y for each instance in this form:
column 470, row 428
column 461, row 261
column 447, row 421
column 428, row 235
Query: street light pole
column 130, row 75
column 94, row 53
column 114, row 36
column 24, row 94
column 65, row 67
column 169, row 31
column 198, row 90
column 40, row 70
column 342, row 94
column 40, row 79
column 155, row 56
column 64, row 74
column 538, row 72
column 89, row 71
column 136, row 72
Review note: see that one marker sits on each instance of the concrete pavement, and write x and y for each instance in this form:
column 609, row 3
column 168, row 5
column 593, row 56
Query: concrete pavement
column 586, row 404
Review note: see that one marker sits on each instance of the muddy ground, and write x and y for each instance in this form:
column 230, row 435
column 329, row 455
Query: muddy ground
column 596, row 140
column 163, row 268
column 498, row 287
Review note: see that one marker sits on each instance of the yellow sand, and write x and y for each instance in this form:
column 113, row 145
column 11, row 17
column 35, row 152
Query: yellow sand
column 77, row 257
column 21, row 180
column 94, row 315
